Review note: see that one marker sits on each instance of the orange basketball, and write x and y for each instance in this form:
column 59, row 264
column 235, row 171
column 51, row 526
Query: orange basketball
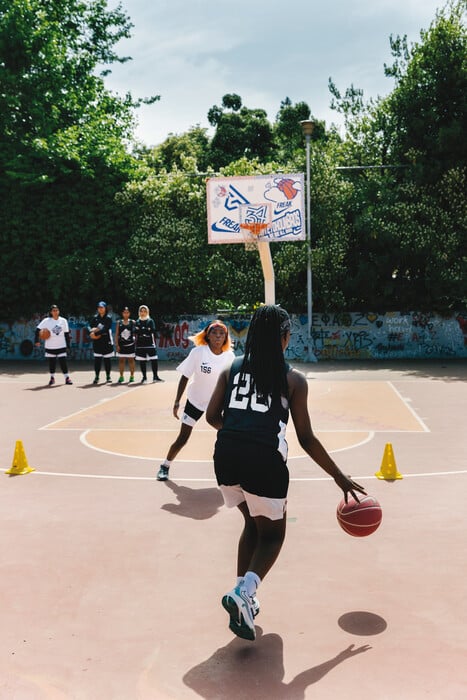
column 44, row 333
column 359, row 519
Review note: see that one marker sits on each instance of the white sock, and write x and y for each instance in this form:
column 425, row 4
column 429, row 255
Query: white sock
column 251, row 582
column 166, row 463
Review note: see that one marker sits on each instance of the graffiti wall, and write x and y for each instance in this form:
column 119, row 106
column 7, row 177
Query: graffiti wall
column 340, row 336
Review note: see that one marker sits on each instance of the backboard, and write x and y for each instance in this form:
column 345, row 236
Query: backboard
column 277, row 200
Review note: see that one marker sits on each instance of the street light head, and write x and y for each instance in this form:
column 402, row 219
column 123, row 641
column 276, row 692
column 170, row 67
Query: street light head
column 307, row 126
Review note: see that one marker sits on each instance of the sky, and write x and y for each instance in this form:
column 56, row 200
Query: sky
column 192, row 52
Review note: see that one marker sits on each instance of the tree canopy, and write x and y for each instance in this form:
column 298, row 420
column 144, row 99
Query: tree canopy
column 85, row 213
column 56, row 116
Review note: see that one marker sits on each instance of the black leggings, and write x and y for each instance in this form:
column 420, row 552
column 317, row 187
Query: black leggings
column 98, row 364
column 53, row 364
column 154, row 365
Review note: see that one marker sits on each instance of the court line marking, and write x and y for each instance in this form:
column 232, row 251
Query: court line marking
column 204, row 430
column 76, row 413
column 409, row 407
column 212, row 479
column 83, row 436
column 83, row 440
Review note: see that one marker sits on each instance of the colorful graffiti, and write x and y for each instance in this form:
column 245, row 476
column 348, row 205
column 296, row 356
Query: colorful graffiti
column 392, row 335
column 340, row 336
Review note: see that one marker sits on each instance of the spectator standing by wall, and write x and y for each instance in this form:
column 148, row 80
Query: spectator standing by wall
column 145, row 342
column 125, row 344
column 100, row 331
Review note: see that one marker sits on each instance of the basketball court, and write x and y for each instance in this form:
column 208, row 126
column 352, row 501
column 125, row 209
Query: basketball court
column 111, row 581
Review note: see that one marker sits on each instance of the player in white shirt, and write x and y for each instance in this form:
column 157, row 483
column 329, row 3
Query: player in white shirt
column 57, row 342
column 203, row 365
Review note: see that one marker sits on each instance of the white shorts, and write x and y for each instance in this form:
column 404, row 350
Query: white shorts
column 272, row 508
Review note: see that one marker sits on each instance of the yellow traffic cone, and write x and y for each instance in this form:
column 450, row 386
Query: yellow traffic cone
column 20, row 463
column 388, row 468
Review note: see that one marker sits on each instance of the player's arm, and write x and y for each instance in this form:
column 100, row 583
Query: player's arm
column 178, row 396
column 117, row 334
column 36, row 336
column 298, row 394
column 214, row 411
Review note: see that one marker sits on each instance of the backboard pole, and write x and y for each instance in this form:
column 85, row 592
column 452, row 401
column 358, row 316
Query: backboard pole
column 268, row 272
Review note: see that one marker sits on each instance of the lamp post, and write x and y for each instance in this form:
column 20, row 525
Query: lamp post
column 307, row 128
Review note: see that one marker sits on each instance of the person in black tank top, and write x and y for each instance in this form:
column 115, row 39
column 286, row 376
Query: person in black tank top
column 250, row 408
column 125, row 344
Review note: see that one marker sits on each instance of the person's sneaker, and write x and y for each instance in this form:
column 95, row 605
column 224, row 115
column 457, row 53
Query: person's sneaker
column 68, row 381
column 239, row 606
column 144, row 380
column 121, row 380
column 157, row 379
column 51, row 381
column 109, row 379
column 163, row 473
column 255, row 605
column 131, row 380
column 96, row 380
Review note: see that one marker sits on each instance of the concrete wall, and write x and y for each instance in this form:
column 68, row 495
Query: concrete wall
column 340, row 336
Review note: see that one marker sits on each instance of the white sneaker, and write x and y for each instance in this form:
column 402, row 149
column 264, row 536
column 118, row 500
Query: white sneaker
column 240, row 608
column 255, row 605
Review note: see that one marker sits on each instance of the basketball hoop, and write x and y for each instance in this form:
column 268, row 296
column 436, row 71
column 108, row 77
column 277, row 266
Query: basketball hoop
column 254, row 228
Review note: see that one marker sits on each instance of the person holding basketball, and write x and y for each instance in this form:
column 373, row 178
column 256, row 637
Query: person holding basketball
column 55, row 332
column 100, row 332
column 250, row 408
column 212, row 352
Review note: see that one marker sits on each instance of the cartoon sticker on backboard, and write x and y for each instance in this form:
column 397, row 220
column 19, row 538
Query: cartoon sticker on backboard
column 276, row 201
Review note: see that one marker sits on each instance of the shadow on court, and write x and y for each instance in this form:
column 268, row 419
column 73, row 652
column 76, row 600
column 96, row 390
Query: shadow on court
column 240, row 672
column 198, row 504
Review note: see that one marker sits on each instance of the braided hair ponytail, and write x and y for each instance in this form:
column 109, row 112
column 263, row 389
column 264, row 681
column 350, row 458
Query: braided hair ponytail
column 264, row 356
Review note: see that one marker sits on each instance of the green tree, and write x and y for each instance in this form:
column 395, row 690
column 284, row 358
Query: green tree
column 239, row 132
column 406, row 241
column 176, row 148
column 63, row 153
column 429, row 103
column 287, row 130
column 55, row 113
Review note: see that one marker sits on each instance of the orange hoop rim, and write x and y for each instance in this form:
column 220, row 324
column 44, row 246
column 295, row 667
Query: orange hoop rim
column 254, row 227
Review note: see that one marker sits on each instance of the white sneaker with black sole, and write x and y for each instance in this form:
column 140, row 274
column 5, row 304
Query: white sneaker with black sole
column 240, row 608
column 163, row 473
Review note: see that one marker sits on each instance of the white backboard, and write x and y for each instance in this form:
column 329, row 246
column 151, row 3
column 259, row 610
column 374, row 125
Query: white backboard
column 276, row 199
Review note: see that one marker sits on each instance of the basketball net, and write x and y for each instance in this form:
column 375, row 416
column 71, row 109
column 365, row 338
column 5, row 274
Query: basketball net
column 254, row 228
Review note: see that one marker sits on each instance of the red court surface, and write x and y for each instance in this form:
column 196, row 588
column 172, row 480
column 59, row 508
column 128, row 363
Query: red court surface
column 111, row 581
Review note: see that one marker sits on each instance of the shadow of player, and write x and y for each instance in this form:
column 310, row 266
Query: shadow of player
column 198, row 504
column 43, row 386
column 242, row 670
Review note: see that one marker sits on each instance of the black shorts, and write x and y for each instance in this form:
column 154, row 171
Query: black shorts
column 192, row 412
column 146, row 353
column 258, row 469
